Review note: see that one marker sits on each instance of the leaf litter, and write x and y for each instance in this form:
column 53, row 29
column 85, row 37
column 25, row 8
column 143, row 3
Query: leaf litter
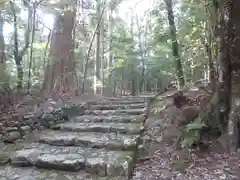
column 166, row 163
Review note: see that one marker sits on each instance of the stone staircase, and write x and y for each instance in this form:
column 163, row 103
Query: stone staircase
column 102, row 144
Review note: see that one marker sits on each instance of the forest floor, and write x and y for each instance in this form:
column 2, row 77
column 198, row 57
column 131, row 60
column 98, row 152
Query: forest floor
column 164, row 162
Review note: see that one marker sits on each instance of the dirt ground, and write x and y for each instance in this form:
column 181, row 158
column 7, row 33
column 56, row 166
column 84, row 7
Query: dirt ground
column 162, row 162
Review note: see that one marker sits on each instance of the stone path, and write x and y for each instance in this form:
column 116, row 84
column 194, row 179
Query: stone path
column 99, row 145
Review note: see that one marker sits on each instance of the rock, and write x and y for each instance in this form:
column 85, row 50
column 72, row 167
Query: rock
column 58, row 139
column 67, row 162
column 116, row 112
column 117, row 106
column 60, row 115
column 96, row 140
column 26, row 129
column 25, row 157
column 120, row 165
column 4, row 158
column 30, row 123
column 47, row 119
column 189, row 113
column 73, row 110
column 28, row 116
column 120, row 101
column 1, row 137
column 96, row 166
column 119, row 119
column 110, row 164
column 11, row 137
column 11, row 129
column 128, row 128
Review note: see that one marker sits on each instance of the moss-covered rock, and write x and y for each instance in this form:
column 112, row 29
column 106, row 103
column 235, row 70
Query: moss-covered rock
column 4, row 158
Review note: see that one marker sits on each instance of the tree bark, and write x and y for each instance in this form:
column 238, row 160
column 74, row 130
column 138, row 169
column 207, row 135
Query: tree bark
column 3, row 75
column 110, row 55
column 225, row 86
column 98, row 43
column 32, row 43
column 18, row 55
column 88, row 52
column 175, row 50
column 59, row 71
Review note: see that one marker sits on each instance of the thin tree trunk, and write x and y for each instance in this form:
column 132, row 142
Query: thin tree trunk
column 142, row 74
column 102, row 57
column 31, row 51
column 98, row 43
column 133, row 90
column 175, row 50
column 18, row 55
column 89, row 50
column 110, row 56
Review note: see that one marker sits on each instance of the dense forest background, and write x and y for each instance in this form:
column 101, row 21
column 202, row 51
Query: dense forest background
column 92, row 40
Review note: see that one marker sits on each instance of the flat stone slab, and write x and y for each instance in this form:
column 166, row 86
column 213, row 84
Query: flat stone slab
column 31, row 173
column 67, row 162
column 111, row 141
column 96, row 162
column 25, row 158
column 118, row 106
column 116, row 112
column 116, row 119
column 120, row 101
column 128, row 128
column 146, row 97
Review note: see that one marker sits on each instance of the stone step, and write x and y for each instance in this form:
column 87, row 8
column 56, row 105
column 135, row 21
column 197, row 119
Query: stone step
column 120, row 101
column 126, row 128
column 31, row 173
column 110, row 141
column 116, row 119
column 93, row 161
column 128, row 99
column 132, row 97
column 116, row 112
column 117, row 106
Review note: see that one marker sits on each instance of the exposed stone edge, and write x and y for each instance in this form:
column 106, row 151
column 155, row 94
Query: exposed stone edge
column 140, row 142
column 30, row 123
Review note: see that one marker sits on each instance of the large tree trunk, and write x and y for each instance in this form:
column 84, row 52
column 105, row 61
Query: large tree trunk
column 224, row 90
column 3, row 76
column 175, row 50
column 235, row 62
column 236, row 49
column 59, row 71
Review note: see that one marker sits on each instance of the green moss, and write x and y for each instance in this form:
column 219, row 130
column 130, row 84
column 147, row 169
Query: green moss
column 4, row 158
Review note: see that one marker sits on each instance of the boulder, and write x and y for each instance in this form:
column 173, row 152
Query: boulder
column 11, row 137
column 188, row 113
column 4, row 158
column 47, row 119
